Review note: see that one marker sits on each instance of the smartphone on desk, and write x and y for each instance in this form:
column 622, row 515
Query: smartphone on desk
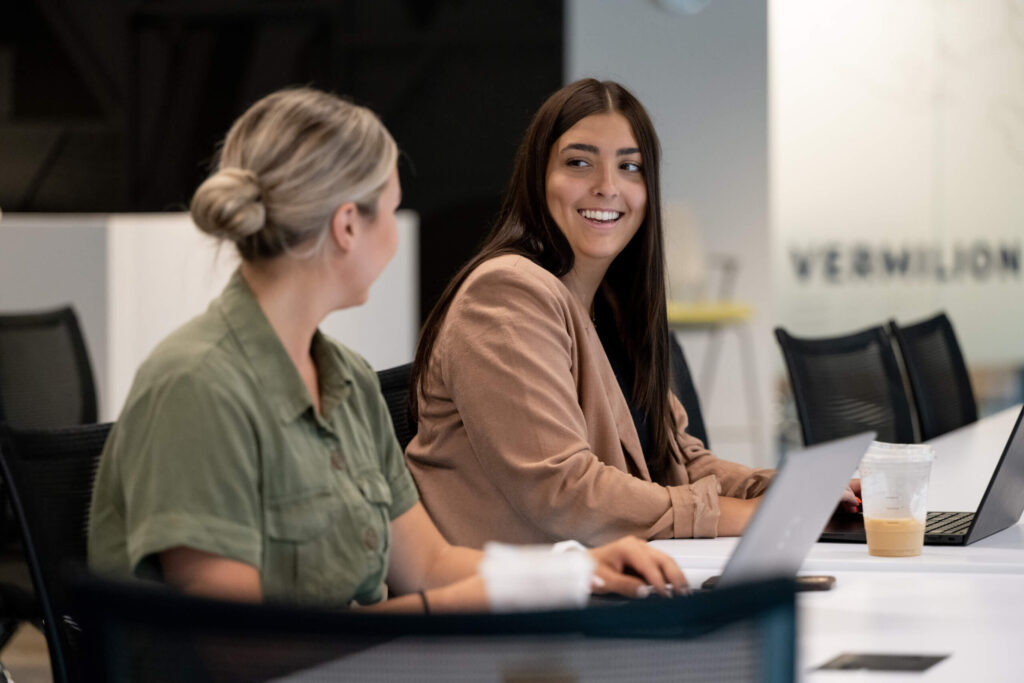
column 817, row 582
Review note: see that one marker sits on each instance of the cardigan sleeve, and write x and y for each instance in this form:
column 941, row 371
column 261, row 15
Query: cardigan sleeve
column 507, row 356
column 733, row 480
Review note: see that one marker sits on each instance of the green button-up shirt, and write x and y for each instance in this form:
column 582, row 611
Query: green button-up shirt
column 219, row 448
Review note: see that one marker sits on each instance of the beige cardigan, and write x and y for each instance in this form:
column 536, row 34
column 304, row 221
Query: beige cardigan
column 525, row 437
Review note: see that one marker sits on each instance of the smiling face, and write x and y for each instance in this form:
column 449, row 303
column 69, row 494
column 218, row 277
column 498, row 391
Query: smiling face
column 595, row 189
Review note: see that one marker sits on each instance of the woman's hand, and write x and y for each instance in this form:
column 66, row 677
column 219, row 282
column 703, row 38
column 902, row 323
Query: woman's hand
column 850, row 500
column 631, row 567
column 734, row 513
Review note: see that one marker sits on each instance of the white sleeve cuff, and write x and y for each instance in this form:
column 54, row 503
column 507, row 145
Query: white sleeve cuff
column 564, row 546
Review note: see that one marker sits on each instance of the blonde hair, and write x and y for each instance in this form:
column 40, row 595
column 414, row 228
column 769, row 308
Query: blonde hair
column 285, row 167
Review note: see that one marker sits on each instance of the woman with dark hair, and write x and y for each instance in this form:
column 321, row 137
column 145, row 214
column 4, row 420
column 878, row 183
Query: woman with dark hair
column 541, row 375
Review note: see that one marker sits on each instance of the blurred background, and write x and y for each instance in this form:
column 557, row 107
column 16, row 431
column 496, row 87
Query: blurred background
column 828, row 164
column 114, row 106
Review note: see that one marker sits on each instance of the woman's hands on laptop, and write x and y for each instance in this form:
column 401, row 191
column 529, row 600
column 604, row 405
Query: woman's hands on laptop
column 631, row 567
column 850, row 500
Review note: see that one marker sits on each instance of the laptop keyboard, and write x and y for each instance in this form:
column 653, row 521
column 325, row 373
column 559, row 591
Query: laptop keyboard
column 948, row 522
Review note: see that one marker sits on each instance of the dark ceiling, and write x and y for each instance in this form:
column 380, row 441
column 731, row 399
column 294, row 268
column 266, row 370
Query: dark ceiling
column 113, row 105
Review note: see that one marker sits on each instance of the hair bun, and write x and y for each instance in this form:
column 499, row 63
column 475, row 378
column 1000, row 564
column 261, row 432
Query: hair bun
column 229, row 204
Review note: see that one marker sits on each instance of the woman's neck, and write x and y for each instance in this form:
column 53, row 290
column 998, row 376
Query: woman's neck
column 288, row 295
column 583, row 281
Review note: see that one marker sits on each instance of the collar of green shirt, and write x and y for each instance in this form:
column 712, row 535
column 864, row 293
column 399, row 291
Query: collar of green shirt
column 274, row 370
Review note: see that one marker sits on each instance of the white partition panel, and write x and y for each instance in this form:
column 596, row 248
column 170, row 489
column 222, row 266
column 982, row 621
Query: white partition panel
column 51, row 260
column 162, row 272
column 135, row 277
column 897, row 163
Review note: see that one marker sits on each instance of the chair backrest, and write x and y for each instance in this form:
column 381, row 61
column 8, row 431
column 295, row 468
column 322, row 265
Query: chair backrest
column 149, row 633
column 938, row 375
column 685, row 391
column 49, row 474
column 846, row 385
column 46, row 378
column 395, row 385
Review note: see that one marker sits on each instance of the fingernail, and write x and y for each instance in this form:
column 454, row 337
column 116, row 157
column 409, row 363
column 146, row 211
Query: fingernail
column 643, row 592
column 859, row 500
column 596, row 581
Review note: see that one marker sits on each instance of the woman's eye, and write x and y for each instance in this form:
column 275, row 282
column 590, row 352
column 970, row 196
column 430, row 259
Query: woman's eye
column 577, row 163
column 631, row 166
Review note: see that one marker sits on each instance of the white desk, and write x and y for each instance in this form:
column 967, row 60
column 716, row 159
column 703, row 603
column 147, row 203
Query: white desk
column 964, row 601
column 974, row 619
column 964, row 462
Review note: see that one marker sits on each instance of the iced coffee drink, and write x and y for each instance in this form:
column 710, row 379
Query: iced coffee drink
column 901, row 537
column 894, row 490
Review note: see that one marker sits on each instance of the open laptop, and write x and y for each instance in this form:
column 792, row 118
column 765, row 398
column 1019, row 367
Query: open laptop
column 1000, row 507
column 803, row 495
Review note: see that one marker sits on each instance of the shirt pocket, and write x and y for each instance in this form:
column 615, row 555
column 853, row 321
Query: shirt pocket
column 374, row 488
column 299, row 518
column 376, row 492
column 296, row 528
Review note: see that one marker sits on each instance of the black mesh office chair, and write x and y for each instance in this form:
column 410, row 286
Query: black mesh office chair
column 685, row 391
column 848, row 384
column 938, row 375
column 145, row 632
column 45, row 375
column 395, row 385
column 50, row 475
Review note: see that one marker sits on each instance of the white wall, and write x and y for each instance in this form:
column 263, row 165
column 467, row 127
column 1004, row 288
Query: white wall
column 133, row 278
column 898, row 132
column 703, row 79
column 48, row 261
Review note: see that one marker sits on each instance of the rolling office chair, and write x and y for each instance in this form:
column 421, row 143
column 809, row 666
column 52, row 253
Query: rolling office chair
column 395, row 385
column 938, row 375
column 46, row 381
column 148, row 632
column 848, row 384
column 685, row 391
column 50, row 475
column 46, row 378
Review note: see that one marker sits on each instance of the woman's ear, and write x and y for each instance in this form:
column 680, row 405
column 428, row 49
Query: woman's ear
column 343, row 226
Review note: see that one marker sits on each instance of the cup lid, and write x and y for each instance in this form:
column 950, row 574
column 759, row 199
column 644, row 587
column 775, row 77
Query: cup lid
column 880, row 451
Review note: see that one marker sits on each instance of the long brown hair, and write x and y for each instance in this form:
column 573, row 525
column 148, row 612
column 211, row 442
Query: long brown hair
column 635, row 282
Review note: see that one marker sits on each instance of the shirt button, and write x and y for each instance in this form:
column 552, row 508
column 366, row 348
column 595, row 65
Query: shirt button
column 370, row 539
column 337, row 460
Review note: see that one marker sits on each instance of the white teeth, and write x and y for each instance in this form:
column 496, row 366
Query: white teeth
column 600, row 215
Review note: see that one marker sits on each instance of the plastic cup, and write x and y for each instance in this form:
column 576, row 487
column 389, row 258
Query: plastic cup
column 894, row 492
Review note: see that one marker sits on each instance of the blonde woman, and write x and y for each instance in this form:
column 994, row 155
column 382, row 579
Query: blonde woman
column 254, row 458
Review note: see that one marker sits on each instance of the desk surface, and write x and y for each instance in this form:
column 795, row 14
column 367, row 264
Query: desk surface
column 962, row 601
column 976, row 622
